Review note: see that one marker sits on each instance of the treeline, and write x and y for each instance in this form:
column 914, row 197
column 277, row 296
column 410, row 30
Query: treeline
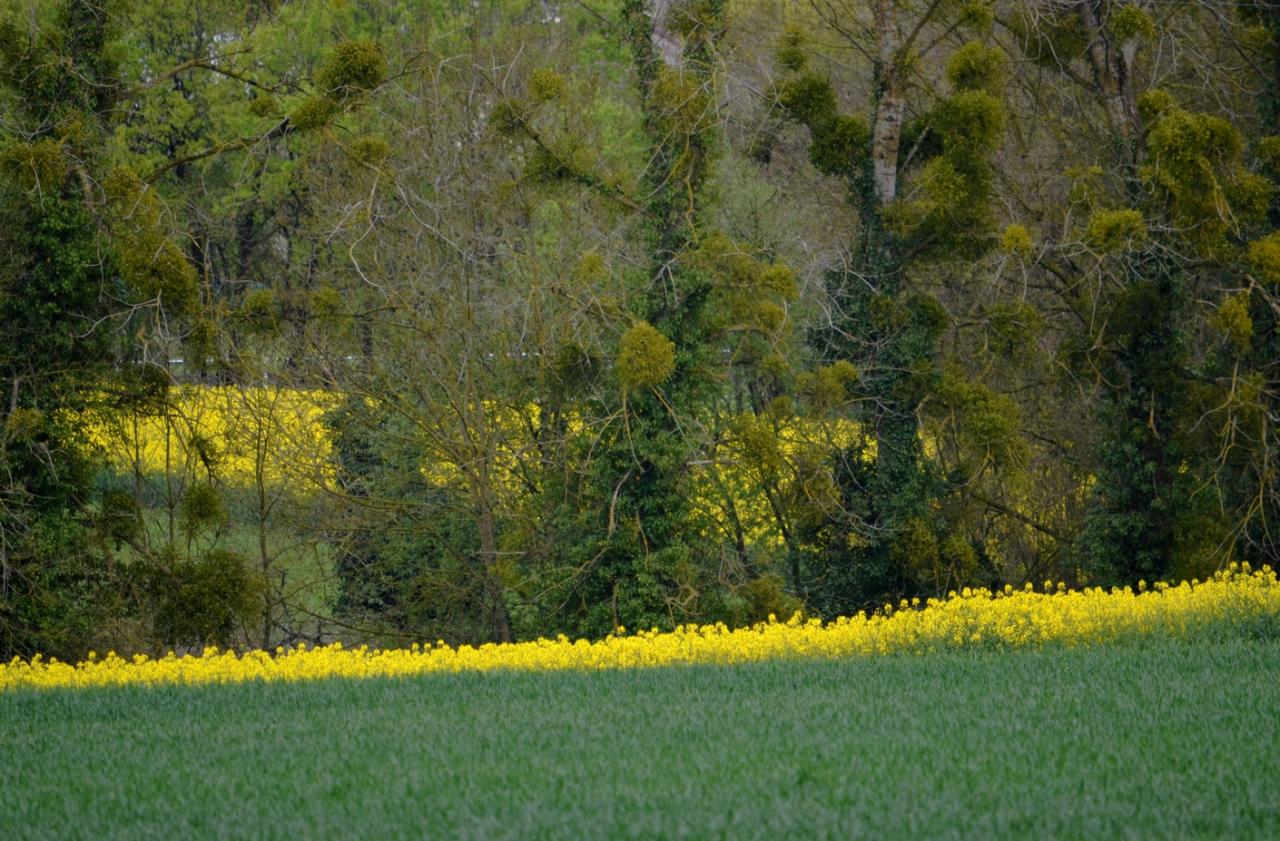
column 625, row 313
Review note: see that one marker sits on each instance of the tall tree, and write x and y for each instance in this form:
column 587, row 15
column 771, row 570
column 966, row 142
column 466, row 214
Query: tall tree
column 68, row 282
column 885, row 318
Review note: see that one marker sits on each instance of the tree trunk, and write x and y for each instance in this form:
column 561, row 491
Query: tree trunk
column 1111, row 79
column 664, row 41
column 887, row 132
column 492, row 579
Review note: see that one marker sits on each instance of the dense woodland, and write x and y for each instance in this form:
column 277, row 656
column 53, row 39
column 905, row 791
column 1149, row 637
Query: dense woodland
column 624, row 313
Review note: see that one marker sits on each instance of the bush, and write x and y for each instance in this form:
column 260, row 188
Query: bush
column 200, row 602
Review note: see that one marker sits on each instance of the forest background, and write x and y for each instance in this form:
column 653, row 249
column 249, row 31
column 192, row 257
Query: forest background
column 390, row 321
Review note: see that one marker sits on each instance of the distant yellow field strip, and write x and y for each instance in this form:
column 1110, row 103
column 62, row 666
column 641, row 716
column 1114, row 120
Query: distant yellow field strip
column 281, row 433
column 242, row 433
column 1235, row 598
column 278, row 436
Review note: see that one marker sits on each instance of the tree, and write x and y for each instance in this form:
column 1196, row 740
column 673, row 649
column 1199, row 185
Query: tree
column 919, row 172
column 65, row 283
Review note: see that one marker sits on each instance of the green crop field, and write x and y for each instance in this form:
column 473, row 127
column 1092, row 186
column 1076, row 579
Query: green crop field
column 1137, row 741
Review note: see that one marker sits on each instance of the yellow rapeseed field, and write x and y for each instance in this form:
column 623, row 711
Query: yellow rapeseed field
column 245, row 435
column 277, row 436
column 971, row 619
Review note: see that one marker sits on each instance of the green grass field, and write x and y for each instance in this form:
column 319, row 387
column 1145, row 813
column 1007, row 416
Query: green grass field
column 1158, row 741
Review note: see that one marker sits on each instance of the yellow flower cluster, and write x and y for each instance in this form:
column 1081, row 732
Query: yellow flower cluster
column 1237, row 597
column 277, row 436
column 246, row 435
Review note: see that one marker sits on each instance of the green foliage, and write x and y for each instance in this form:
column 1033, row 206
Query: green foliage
column 58, row 597
column 839, row 145
column 120, row 517
column 407, row 553
column 58, row 280
column 680, row 101
column 945, row 187
column 758, row 440
column 828, row 387
column 949, row 212
column 1114, row 231
column 35, row 167
column 202, row 601
column 630, row 527
column 75, row 35
column 1015, row 326
column 369, row 149
column 976, row 67
column 808, row 99
column 839, row 142
column 591, row 268
column 879, row 537
column 264, row 106
column 766, row 596
column 149, row 260
column 1264, row 257
column 260, row 311
column 157, row 268
column 1144, row 489
column 202, row 508
column 977, row 16
column 1155, row 103
column 1267, row 150
column 1183, row 139
column 1232, row 321
column 927, row 314
column 915, row 348
column 544, row 166
column 546, row 85
column 313, row 112
column 353, row 67
column 1193, row 158
column 791, row 54
column 971, row 123
column 507, row 117
column 51, row 284
column 201, row 344
column 748, row 294
column 646, row 358
column 575, row 367
column 1016, row 240
column 915, row 550
column 692, row 20
column 987, row 424
column 1129, row 22
column 1249, row 196
column 326, row 303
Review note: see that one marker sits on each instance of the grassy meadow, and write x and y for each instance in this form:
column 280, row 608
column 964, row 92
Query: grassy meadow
column 1159, row 739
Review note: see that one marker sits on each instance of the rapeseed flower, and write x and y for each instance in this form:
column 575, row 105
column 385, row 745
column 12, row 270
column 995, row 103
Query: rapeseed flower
column 1238, row 600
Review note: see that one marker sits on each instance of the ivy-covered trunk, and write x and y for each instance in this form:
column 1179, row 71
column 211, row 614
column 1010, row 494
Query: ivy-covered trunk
column 647, row 569
column 1144, row 482
column 881, row 319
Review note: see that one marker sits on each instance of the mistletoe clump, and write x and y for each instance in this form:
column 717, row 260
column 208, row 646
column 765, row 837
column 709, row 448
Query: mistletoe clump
column 976, row 67
column 1016, row 240
column 150, row 262
column 38, row 166
column 1113, row 231
column 646, row 358
column 313, row 112
column 354, row 66
column 1264, row 256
